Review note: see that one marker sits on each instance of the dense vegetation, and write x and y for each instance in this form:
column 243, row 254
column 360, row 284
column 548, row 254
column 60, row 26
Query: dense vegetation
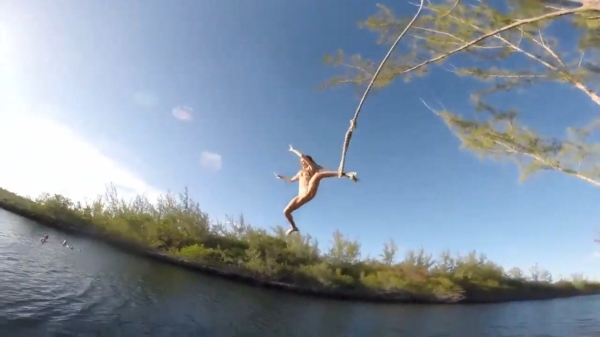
column 176, row 226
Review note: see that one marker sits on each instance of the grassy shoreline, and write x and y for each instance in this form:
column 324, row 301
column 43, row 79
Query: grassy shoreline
column 178, row 233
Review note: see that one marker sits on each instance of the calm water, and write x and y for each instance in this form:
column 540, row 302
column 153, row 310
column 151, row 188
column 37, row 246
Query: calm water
column 93, row 290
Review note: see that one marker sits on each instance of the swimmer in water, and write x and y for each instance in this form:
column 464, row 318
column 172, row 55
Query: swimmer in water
column 309, row 177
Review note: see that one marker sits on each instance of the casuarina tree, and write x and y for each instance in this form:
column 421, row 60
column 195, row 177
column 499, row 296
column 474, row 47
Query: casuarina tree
column 507, row 45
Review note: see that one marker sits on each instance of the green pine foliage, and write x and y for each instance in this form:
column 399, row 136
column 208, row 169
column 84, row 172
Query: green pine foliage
column 507, row 46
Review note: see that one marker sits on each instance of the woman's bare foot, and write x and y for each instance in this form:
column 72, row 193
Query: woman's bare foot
column 291, row 230
column 352, row 176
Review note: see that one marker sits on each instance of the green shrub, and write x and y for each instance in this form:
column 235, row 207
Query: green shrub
column 176, row 225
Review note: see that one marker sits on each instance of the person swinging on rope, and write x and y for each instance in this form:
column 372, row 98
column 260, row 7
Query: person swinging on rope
column 309, row 177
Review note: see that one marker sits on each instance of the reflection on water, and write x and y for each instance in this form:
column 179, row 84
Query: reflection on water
column 94, row 290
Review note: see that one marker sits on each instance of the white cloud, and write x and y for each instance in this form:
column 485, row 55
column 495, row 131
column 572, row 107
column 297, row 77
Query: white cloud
column 210, row 161
column 41, row 155
column 183, row 113
column 596, row 255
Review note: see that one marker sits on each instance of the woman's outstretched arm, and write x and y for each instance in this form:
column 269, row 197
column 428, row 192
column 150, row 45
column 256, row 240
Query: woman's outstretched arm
column 288, row 179
column 314, row 167
column 298, row 153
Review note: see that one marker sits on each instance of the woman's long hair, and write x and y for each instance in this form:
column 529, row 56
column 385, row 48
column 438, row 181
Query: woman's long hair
column 312, row 161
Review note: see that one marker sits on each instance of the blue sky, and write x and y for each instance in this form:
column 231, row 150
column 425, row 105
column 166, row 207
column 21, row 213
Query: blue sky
column 89, row 89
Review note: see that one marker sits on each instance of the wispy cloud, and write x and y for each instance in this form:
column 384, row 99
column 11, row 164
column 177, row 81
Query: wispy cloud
column 210, row 161
column 183, row 113
column 596, row 255
column 41, row 155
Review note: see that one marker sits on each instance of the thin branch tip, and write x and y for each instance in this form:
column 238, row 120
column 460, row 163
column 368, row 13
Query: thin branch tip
column 428, row 107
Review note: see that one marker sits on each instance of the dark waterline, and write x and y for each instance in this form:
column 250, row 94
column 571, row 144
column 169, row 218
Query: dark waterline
column 95, row 290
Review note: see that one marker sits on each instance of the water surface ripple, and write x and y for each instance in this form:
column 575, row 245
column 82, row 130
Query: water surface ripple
column 94, row 290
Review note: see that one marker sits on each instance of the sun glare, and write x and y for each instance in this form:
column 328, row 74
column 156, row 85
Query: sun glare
column 7, row 65
column 4, row 45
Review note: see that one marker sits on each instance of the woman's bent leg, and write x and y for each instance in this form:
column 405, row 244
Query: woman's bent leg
column 313, row 186
column 296, row 203
column 314, row 181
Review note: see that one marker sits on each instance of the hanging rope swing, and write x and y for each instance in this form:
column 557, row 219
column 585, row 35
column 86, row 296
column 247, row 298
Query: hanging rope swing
column 353, row 121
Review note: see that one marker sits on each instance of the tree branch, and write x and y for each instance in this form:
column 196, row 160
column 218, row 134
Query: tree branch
column 586, row 6
column 548, row 49
column 468, row 72
column 577, row 84
column 548, row 164
column 452, row 8
column 360, row 69
column 528, row 152
column 452, row 36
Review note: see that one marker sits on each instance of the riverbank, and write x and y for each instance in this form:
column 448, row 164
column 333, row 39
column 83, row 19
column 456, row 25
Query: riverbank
column 358, row 281
column 233, row 274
